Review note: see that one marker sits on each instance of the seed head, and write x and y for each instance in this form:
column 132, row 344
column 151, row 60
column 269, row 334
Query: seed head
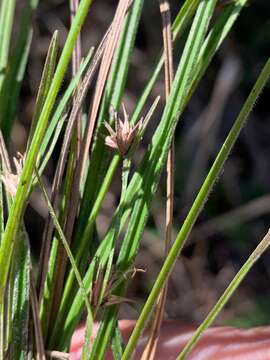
column 122, row 137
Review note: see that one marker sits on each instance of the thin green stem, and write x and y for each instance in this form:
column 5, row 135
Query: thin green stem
column 260, row 249
column 125, row 174
column 196, row 209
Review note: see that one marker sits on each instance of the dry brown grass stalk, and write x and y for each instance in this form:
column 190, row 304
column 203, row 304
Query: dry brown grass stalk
column 150, row 349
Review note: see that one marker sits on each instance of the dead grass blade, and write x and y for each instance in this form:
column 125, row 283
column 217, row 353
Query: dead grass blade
column 150, row 349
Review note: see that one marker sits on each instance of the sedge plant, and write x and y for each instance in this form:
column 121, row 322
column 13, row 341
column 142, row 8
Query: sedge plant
column 81, row 273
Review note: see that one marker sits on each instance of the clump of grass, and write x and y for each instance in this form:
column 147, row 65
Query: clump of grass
column 50, row 305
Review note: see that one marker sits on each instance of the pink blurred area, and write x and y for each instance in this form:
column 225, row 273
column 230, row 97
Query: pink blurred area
column 218, row 343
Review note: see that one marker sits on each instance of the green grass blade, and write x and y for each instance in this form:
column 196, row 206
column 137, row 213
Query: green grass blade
column 216, row 36
column 107, row 326
column 10, row 90
column 117, row 344
column 239, row 277
column 20, row 278
column 20, row 199
column 196, row 208
column 45, row 82
column 45, row 304
column 87, row 338
column 6, row 23
column 57, row 122
column 183, row 17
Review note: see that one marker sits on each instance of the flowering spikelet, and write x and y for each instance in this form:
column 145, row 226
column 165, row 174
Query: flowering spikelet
column 122, row 137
